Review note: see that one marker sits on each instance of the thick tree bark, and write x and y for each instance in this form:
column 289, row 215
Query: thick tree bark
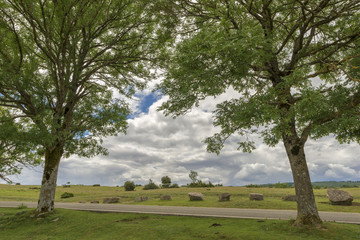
column 49, row 179
column 307, row 213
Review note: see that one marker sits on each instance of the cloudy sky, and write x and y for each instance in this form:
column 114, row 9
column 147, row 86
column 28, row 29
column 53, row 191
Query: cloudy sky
column 156, row 146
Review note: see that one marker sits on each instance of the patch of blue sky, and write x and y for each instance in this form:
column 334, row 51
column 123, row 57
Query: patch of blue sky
column 145, row 102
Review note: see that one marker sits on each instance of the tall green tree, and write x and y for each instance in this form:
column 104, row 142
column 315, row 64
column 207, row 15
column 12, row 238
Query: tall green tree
column 193, row 175
column 67, row 67
column 284, row 58
column 165, row 182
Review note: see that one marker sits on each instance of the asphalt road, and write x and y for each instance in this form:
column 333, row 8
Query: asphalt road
column 340, row 217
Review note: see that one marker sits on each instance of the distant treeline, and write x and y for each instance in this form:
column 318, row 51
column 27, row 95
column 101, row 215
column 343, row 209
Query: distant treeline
column 335, row 184
column 316, row 185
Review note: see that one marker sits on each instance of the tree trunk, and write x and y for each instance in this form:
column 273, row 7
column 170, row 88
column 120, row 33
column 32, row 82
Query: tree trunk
column 49, row 179
column 307, row 213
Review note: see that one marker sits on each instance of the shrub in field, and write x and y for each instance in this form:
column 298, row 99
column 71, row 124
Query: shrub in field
column 253, row 186
column 175, row 185
column 199, row 183
column 165, row 181
column 209, row 184
column 282, row 185
column 129, row 186
column 150, row 185
column 67, row 195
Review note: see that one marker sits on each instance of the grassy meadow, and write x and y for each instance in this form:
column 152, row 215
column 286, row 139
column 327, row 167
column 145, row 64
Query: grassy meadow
column 21, row 223
column 239, row 196
column 70, row 224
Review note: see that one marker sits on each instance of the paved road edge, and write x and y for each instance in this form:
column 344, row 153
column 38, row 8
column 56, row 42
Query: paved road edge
column 340, row 217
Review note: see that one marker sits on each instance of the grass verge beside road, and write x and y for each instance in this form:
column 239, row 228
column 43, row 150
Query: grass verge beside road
column 70, row 224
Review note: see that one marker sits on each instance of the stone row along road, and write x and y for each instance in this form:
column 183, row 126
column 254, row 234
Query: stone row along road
column 340, row 217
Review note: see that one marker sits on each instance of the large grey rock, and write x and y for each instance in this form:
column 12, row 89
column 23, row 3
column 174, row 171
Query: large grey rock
column 256, row 196
column 224, row 197
column 196, row 196
column 339, row 197
column 111, row 200
column 165, row 197
column 141, row 199
column 289, row 198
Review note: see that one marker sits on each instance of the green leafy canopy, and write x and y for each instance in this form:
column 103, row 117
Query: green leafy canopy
column 287, row 59
column 67, row 67
column 17, row 146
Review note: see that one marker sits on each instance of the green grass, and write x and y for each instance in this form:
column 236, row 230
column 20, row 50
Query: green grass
column 70, row 224
column 239, row 196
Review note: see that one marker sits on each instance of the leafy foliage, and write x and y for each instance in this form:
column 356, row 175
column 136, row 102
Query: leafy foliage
column 282, row 185
column 129, row 186
column 271, row 58
column 67, row 67
column 62, row 78
column 199, row 183
column 67, row 195
column 64, row 63
column 253, row 186
column 17, row 147
column 165, row 182
column 337, row 184
column 174, row 185
column 150, row 185
column 193, row 176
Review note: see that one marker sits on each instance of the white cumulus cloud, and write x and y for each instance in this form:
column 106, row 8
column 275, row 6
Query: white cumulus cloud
column 155, row 146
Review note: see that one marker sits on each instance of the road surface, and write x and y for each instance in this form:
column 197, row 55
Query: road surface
column 340, row 217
